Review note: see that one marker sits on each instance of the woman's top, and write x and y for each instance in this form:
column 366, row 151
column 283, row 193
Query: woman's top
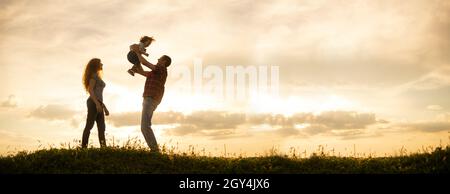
column 99, row 86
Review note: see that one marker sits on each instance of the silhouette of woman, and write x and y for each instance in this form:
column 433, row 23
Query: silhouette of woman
column 94, row 85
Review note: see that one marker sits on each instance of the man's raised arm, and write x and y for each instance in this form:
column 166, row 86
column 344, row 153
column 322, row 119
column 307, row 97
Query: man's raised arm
column 142, row 72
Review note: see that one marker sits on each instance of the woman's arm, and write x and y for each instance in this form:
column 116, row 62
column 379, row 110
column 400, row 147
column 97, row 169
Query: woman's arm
column 98, row 105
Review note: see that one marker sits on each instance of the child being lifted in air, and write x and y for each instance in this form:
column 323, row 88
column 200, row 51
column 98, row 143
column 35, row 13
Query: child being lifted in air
column 133, row 56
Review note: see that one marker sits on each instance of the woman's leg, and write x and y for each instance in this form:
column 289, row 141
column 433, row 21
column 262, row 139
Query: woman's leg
column 101, row 129
column 91, row 117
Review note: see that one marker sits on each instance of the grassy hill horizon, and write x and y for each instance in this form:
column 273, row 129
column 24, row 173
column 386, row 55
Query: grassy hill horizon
column 135, row 160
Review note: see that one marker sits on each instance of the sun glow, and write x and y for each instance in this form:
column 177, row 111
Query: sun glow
column 121, row 99
column 335, row 102
column 293, row 104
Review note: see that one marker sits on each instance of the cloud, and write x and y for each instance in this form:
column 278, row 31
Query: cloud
column 438, row 78
column 213, row 134
column 125, row 119
column 214, row 119
column 430, row 91
column 213, row 124
column 201, row 119
column 168, row 117
column 358, row 135
column 316, row 129
column 279, row 119
column 217, row 125
column 344, row 119
column 183, row 130
column 258, row 32
column 53, row 112
column 350, row 48
column 287, row 131
column 222, row 124
column 428, row 126
column 434, row 107
column 133, row 118
column 10, row 102
column 345, row 124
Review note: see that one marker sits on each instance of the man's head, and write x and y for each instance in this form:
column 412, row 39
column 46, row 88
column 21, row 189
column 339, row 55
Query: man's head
column 164, row 61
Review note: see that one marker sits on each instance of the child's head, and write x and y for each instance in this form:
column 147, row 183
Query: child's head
column 147, row 40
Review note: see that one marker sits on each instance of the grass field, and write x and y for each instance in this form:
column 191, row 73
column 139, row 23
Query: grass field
column 125, row 160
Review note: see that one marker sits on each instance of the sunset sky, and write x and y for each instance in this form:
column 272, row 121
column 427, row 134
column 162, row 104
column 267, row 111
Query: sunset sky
column 367, row 75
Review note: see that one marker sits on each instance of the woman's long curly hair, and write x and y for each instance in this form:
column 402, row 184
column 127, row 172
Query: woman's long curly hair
column 93, row 67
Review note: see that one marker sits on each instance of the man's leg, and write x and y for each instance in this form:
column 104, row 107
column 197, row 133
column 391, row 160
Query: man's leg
column 146, row 123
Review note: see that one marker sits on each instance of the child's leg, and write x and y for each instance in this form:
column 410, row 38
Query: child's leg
column 134, row 59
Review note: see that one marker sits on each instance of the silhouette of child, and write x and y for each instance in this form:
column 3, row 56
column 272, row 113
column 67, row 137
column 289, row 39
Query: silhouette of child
column 133, row 56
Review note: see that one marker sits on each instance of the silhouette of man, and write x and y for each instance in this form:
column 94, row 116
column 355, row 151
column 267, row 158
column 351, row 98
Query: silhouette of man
column 153, row 94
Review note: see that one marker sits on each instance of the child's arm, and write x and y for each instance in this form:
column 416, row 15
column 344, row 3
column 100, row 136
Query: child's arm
column 143, row 51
